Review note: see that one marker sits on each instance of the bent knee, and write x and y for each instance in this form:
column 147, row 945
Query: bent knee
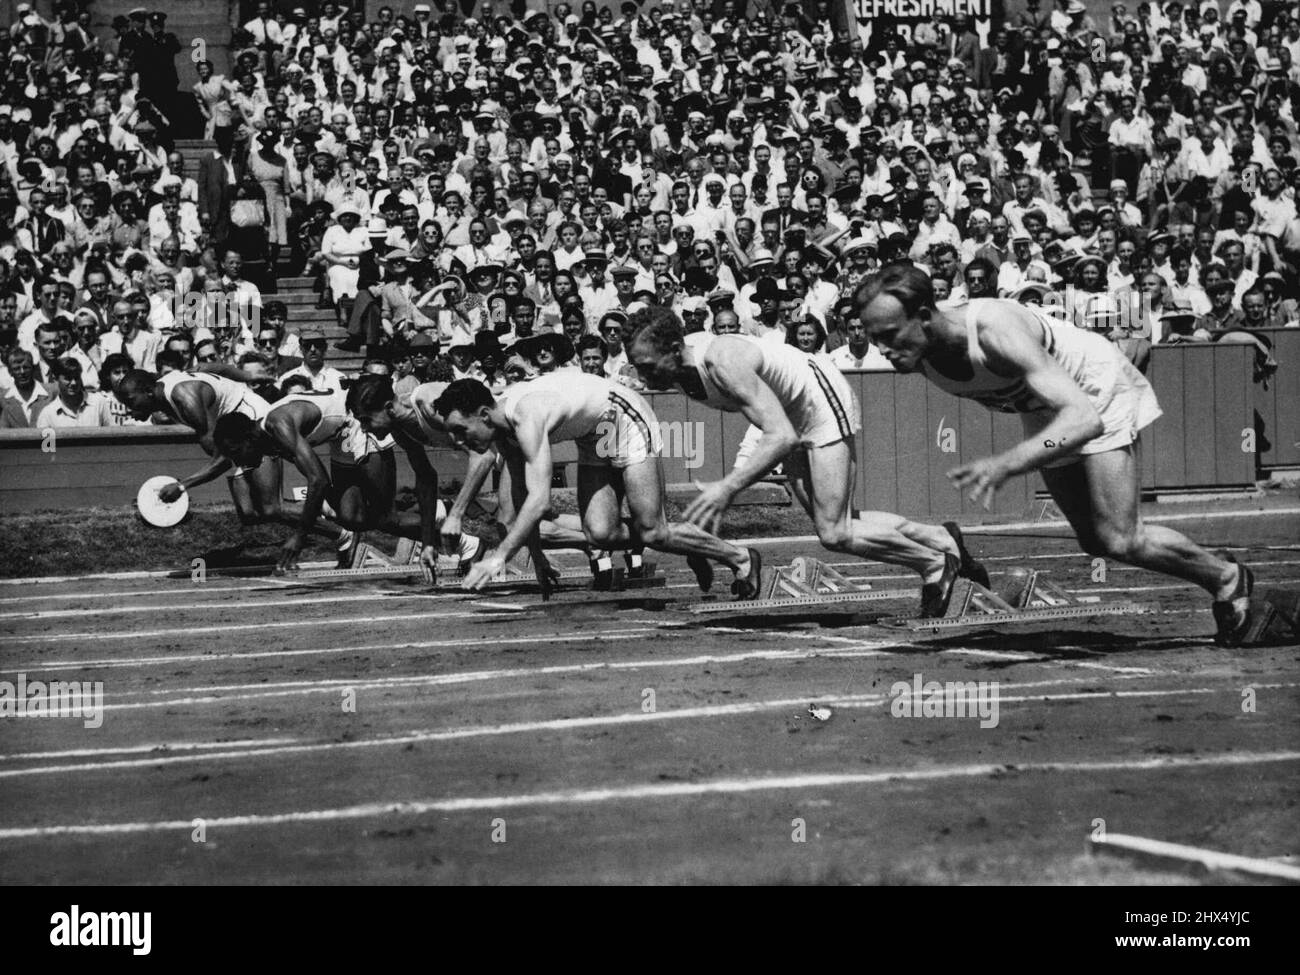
column 601, row 536
column 836, row 537
column 1110, row 543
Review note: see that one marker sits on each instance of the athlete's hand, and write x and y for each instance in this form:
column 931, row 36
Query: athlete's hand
column 484, row 572
column 429, row 564
column 449, row 530
column 709, row 505
column 548, row 577
column 172, row 492
column 982, row 477
column 289, row 554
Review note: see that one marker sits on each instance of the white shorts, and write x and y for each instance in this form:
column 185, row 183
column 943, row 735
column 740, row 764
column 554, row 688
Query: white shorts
column 1122, row 398
column 627, row 433
column 830, row 413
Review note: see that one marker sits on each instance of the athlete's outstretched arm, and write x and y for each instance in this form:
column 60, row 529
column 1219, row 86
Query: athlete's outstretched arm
column 1014, row 352
column 196, row 406
column 735, row 372
column 426, row 487
column 534, row 456
column 480, row 466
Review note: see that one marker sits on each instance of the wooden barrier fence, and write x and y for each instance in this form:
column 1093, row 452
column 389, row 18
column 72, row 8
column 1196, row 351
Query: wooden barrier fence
column 912, row 434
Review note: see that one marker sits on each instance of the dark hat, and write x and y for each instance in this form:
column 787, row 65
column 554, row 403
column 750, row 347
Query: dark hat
column 422, row 340
column 767, row 290
column 623, row 271
column 486, row 345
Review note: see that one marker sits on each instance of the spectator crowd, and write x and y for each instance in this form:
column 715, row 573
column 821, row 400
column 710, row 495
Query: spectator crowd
column 493, row 195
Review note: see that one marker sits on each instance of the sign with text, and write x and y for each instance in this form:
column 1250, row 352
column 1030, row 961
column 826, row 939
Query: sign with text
column 904, row 16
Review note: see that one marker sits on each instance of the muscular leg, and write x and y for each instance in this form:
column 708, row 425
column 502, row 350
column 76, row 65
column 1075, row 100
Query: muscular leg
column 879, row 535
column 558, row 531
column 1099, row 497
column 643, row 484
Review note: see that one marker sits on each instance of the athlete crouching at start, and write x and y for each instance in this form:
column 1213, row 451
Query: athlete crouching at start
column 618, row 458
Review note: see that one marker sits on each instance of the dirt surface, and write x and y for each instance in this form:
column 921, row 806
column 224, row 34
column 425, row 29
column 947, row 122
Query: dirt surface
column 599, row 742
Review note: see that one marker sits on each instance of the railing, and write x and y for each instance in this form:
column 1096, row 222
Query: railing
column 913, row 433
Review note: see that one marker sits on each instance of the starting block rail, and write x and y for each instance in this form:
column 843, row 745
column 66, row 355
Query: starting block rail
column 805, row 582
column 1022, row 597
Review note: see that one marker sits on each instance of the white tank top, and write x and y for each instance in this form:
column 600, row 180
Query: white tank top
column 783, row 368
column 232, row 397
column 578, row 401
column 333, row 413
column 422, row 400
column 1070, row 346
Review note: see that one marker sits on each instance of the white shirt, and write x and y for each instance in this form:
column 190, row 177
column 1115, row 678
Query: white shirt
column 843, row 359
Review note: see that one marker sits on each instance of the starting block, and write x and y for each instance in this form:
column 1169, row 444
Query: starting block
column 805, row 582
column 1023, row 597
column 368, row 562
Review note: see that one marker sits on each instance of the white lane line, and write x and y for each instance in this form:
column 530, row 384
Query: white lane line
column 190, row 658
column 207, row 588
column 653, row 791
column 600, row 721
column 126, row 576
column 765, row 540
column 166, row 748
column 234, row 604
column 237, row 627
column 229, row 693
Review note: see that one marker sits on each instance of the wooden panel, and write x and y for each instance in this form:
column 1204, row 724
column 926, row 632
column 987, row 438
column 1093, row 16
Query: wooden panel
column 1196, row 426
column 1233, row 414
column 674, row 421
column 943, row 422
column 914, row 443
column 878, row 443
column 713, row 452
column 1167, row 376
column 1279, row 405
column 975, row 440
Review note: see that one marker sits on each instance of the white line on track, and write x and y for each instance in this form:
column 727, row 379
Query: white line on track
column 991, row 529
column 207, row 589
column 653, row 791
column 230, row 693
column 190, row 658
column 237, row 627
column 162, row 748
column 605, row 721
column 241, row 606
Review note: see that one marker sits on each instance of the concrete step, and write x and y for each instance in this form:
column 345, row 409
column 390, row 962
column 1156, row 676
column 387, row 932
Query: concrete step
column 296, row 284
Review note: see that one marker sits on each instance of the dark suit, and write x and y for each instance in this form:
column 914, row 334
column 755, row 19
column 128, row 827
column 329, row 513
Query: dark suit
column 786, row 219
column 215, row 194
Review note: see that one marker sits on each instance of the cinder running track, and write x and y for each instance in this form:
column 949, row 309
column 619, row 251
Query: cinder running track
column 603, row 744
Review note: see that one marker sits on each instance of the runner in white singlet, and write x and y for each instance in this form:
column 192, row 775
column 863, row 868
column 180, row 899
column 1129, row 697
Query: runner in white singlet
column 618, row 457
column 807, row 418
column 199, row 400
column 1083, row 405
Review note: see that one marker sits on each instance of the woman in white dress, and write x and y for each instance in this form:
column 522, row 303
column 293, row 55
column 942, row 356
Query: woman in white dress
column 341, row 248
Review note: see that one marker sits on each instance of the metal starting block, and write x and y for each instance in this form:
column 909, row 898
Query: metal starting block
column 1022, row 597
column 368, row 562
column 804, row 582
